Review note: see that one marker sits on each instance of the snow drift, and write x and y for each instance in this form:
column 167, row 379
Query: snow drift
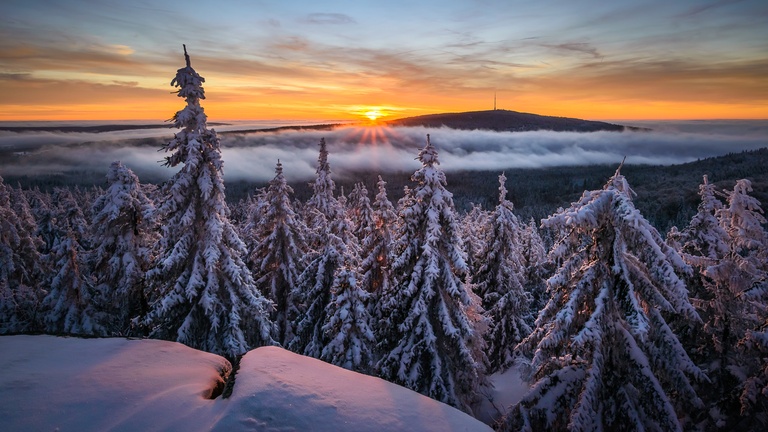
column 69, row 384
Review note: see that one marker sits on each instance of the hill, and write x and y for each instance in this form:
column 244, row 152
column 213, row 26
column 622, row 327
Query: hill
column 507, row 121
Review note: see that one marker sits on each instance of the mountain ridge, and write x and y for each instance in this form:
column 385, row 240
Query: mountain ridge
column 500, row 120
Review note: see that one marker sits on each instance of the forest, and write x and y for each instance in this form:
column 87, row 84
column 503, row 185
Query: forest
column 628, row 299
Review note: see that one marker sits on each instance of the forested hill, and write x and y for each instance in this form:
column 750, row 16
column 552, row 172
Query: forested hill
column 505, row 120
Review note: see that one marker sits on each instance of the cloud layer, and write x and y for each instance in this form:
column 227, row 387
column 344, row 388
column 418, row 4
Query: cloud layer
column 252, row 156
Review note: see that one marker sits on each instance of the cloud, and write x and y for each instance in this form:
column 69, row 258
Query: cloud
column 252, row 156
column 698, row 9
column 579, row 47
column 329, row 18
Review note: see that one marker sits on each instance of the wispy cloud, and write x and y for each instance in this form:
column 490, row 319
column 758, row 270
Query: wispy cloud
column 577, row 47
column 329, row 18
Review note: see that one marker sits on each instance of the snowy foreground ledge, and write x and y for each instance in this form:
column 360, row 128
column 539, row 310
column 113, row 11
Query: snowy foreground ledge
column 70, row 384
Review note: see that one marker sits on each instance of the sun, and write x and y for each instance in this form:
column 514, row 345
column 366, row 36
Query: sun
column 373, row 115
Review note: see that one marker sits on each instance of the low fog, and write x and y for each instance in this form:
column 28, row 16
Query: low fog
column 252, row 156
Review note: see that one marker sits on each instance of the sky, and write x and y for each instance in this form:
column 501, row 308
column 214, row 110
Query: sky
column 340, row 60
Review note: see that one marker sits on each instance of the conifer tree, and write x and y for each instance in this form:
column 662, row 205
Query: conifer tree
column 753, row 398
column 19, row 263
column 208, row 298
column 360, row 212
column 535, row 265
column 322, row 207
column 704, row 242
column 473, row 231
column 334, row 243
column 429, row 342
column 376, row 252
column 730, row 253
column 499, row 281
column 40, row 204
column 277, row 256
column 346, row 324
column 121, row 232
column 602, row 354
column 73, row 305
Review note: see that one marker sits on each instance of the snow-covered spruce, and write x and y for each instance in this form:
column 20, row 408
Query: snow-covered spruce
column 735, row 307
column 335, row 243
column 321, row 208
column 376, row 252
column 499, row 283
column 122, row 235
column 208, row 298
column 535, row 266
column 20, row 263
column 474, row 232
column 276, row 258
column 704, row 241
column 73, row 305
column 602, row 355
column 429, row 341
column 359, row 211
column 753, row 398
column 346, row 324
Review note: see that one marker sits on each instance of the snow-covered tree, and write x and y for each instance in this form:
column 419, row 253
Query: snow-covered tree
column 753, row 398
column 498, row 281
column 744, row 222
column 730, row 253
column 208, row 298
column 122, row 231
column 602, row 355
column 704, row 241
column 376, row 252
column 346, row 324
column 69, row 215
column 474, row 232
column 276, row 259
column 73, row 305
column 535, row 265
column 334, row 244
column 359, row 211
column 20, row 263
column 429, row 342
column 322, row 207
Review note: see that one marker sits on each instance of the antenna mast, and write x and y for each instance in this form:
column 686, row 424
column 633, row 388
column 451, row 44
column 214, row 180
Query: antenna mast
column 494, row 101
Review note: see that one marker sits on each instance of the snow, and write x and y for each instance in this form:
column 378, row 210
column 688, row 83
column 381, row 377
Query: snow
column 71, row 384
column 508, row 389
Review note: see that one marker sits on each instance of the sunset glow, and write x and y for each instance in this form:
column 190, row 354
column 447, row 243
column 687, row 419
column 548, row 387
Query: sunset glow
column 373, row 115
column 360, row 61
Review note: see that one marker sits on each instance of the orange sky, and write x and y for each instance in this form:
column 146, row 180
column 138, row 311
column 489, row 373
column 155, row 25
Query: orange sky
column 100, row 61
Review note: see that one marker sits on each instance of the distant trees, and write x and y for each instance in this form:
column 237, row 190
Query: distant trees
column 207, row 296
column 602, row 354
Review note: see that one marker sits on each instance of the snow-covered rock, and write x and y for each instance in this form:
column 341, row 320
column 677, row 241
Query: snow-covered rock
column 70, row 384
